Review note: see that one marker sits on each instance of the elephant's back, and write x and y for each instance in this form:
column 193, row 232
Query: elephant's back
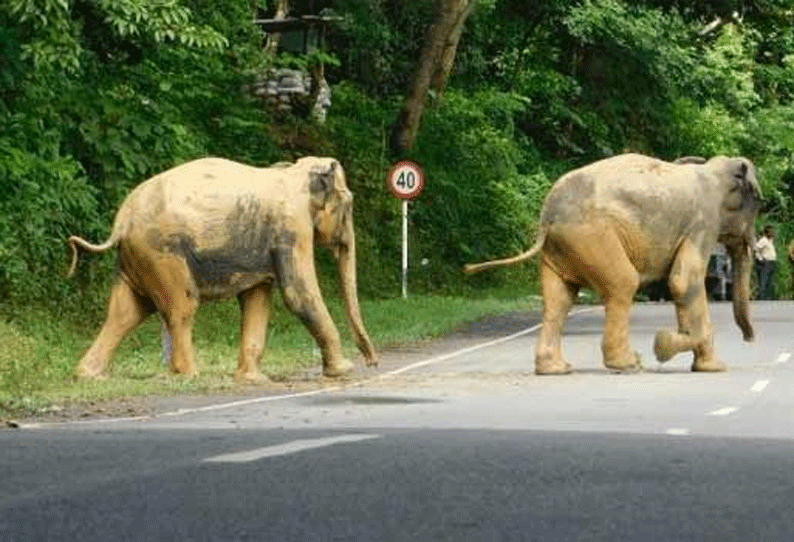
column 634, row 186
column 213, row 214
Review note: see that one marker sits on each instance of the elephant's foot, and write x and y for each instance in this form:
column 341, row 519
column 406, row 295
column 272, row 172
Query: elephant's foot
column 187, row 372
column 250, row 377
column 664, row 345
column 83, row 373
column 625, row 363
column 338, row 368
column 709, row 366
column 552, row 366
column 88, row 370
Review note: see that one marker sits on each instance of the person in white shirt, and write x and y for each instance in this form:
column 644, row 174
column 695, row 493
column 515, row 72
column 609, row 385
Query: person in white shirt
column 791, row 264
column 766, row 257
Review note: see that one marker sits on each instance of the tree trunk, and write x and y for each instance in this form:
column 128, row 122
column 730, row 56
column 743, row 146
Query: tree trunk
column 447, row 57
column 273, row 38
column 432, row 70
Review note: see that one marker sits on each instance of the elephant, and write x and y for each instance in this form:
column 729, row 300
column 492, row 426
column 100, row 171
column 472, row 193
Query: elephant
column 629, row 220
column 213, row 228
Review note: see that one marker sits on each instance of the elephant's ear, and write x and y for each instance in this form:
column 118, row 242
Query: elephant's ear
column 321, row 184
column 744, row 173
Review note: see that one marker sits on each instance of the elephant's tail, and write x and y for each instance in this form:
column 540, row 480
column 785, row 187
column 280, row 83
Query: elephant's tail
column 120, row 226
column 477, row 267
column 75, row 241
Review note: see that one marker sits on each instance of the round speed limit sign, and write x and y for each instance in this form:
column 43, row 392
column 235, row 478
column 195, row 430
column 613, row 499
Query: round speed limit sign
column 406, row 179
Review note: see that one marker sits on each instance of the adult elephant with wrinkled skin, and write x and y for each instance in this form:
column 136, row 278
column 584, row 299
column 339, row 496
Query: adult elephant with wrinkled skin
column 628, row 220
column 212, row 229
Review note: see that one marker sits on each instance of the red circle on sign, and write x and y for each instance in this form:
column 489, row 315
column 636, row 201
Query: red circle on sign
column 405, row 179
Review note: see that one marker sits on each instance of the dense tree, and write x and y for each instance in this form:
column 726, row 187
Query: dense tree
column 432, row 70
column 96, row 95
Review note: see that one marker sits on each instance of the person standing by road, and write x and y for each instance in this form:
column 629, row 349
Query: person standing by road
column 767, row 260
column 791, row 264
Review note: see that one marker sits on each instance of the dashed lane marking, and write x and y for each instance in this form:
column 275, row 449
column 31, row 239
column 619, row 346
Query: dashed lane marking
column 723, row 411
column 678, row 431
column 286, row 448
column 784, row 357
column 760, row 385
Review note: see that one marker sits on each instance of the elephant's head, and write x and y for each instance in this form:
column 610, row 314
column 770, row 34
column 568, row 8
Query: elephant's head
column 332, row 213
column 742, row 200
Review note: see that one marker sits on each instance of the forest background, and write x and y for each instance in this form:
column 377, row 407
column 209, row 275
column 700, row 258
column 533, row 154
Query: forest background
column 98, row 95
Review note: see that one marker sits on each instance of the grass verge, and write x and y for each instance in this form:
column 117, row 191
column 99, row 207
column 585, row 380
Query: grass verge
column 40, row 353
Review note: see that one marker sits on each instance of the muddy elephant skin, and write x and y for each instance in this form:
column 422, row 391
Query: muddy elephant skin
column 625, row 221
column 212, row 229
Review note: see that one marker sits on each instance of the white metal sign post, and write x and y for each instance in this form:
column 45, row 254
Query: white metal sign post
column 405, row 180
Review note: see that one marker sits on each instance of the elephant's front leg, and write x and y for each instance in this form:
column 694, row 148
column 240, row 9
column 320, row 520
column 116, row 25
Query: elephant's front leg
column 298, row 280
column 558, row 297
column 687, row 286
column 254, row 312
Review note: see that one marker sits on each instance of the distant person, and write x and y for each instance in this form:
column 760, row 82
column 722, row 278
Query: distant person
column 791, row 264
column 166, row 345
column 766, row 258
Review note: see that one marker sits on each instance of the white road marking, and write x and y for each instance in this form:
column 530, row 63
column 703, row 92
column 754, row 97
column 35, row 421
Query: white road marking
column 470, row 349
column 760, row 385
column 678, row 431
column 457, row 353
column 784, row 357
column 723, row 411
column 286, row 448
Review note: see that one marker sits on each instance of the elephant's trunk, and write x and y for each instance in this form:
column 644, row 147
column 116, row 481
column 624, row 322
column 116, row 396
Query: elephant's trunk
column 741, row 262
column 346, row 255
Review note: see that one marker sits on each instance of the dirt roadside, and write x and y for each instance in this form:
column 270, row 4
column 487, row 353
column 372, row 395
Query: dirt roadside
column 391, row 359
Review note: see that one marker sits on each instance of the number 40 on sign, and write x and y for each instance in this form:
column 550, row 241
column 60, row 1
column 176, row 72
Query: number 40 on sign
column 405, row 180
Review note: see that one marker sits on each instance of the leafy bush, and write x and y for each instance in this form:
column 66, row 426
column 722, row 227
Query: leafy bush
column 476, row 203
column 358, row 126
column 91, row 104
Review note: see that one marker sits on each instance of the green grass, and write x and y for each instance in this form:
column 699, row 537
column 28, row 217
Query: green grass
column 40, row 351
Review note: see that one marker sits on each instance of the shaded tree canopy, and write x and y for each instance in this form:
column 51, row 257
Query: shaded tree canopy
column 495, row 98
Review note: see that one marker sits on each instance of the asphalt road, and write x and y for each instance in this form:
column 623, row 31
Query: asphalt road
column 454, row 445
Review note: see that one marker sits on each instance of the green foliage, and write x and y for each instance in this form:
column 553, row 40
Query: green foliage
column 91, row 105
column 41, row 197
column 475, row 205
column 379, row 42
column 725, row 72
column 96, row 96
column 358, row 127
column 706, row 130
column 770, row 138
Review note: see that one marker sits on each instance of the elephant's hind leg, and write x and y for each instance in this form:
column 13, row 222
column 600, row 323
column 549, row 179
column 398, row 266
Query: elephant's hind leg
column 603, row 262
column 126, row 310
column 558, row 297
column 254, row 312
